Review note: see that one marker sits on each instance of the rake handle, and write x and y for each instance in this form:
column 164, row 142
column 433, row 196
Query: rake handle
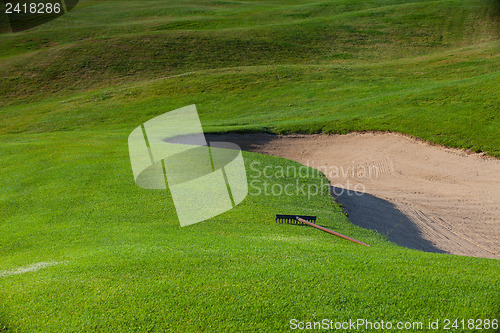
column 331, row 231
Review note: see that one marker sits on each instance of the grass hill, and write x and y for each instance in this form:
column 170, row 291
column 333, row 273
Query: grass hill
column 74, row 88
column 427, row 68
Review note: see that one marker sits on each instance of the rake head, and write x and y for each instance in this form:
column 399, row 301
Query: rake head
column 292, row 219
column 309, row 220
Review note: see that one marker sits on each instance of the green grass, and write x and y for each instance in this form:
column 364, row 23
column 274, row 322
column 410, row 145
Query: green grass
column 426, row 68
column 128, row 266
column 73, row 89
column 441, row 106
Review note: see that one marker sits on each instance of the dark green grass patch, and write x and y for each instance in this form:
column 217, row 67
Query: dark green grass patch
column 99, row 44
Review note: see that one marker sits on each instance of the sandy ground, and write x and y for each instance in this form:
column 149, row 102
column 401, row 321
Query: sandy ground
column 420, row 195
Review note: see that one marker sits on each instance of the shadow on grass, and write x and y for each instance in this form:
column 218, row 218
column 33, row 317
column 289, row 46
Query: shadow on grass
column 246, row 141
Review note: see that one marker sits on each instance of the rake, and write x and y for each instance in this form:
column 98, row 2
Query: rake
column 304, row 219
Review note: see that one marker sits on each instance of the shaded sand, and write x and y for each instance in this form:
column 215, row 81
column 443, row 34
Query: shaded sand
column 420, row 195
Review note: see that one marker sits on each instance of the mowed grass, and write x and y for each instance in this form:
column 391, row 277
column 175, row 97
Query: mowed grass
column 109, row 42
column 73, row 89
column 454, row 103
column 126, row 265
column 425, row 68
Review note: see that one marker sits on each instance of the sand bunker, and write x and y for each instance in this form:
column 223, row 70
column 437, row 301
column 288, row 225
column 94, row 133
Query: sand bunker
column 420, row 195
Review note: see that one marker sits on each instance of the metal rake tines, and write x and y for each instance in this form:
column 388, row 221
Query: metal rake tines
column 292, row 219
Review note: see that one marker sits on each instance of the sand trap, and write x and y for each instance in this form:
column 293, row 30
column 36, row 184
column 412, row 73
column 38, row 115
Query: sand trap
column 422, row 196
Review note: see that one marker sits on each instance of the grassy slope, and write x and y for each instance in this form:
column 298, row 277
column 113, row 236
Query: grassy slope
column 427, row 68
column 444, row 105
column 73, row 89
column 129, row 267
